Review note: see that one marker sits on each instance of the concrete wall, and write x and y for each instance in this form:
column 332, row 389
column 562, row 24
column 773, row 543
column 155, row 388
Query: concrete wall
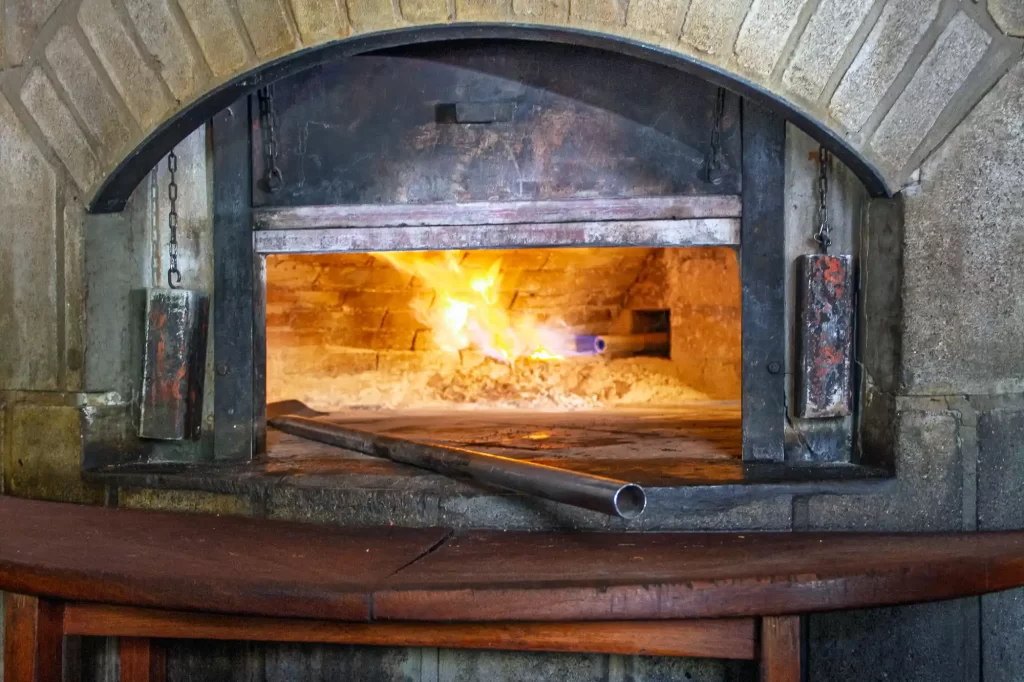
column 958, row 395
column 932, row 91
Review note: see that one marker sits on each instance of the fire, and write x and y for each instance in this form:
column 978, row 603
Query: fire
column 467, row 311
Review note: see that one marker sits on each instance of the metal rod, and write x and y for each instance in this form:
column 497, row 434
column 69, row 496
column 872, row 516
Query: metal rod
column 606, row 495
column 622, row 344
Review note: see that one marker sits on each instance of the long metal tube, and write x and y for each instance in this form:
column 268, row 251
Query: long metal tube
column 622, row 344
column 606, row 495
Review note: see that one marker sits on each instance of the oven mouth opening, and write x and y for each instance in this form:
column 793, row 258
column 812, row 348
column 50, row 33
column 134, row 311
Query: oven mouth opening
column 617, row 362
column 553, row 329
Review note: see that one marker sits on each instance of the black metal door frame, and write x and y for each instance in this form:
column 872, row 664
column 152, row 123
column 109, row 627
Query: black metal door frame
column 239, row 308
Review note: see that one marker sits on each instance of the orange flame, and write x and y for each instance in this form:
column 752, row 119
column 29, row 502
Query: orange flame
column 467, row 311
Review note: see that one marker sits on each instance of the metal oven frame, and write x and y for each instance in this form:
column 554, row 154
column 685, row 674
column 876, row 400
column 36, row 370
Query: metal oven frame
column 752, row 222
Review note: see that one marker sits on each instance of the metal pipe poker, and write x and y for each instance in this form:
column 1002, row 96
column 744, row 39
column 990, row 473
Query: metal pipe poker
column 607, row 495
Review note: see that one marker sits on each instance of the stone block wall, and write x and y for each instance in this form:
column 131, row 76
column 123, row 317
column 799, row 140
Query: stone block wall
column 930, row 91
column 701, row 290
column 960, row 406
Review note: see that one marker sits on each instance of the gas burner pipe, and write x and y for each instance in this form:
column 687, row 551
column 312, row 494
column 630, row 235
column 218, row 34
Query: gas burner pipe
column 622, row 344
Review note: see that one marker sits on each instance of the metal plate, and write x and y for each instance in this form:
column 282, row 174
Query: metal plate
column 656, row 233
column 174, row 364
column 762, row 267
column 233, row 304
column 825, row 330
column 667, row 208
column 378, row 129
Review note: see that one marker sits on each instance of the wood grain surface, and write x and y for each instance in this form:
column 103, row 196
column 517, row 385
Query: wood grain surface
column 491, row 575
column 199, row 563
column 780, row 649
column 142, row 659
column 257, row 567
column 33, row 639
column 719, row 638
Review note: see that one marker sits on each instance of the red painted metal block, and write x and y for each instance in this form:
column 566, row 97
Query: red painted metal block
column 825, row 336
column 174, row 364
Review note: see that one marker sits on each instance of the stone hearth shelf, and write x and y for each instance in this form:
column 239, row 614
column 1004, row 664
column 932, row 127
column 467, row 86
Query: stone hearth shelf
column 689, row 465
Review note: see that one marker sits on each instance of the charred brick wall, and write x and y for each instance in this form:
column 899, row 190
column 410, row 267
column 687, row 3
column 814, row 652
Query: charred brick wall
column 339, row 314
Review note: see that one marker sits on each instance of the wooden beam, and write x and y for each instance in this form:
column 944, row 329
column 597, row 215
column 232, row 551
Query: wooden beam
column 650, row 233
column 780, row 649
column 33, row 639
column 721, row 638
column 76, row 553
column 142, row 660
column 498, row 212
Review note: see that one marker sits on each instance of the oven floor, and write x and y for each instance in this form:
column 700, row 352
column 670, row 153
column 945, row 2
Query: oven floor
column 698, row 443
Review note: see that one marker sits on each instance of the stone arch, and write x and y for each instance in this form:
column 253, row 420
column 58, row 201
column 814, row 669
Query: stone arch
column 118, row 185
column 882, row 81
column 85, row 83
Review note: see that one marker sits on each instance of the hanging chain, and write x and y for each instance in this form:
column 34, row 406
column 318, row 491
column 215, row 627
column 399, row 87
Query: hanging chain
column 714, row 164
column 268, row 121
column 824, row 233
column 173, row 274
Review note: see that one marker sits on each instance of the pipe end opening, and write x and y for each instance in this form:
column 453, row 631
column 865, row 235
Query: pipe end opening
column 630, row 501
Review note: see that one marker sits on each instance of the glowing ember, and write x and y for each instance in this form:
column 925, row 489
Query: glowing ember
column 467, row 312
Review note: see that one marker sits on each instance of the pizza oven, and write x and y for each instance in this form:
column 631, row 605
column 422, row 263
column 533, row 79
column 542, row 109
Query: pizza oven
column 541, row 253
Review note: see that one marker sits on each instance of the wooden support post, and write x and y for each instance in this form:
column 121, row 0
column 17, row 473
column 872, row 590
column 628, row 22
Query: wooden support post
column 780, row 649
column 142, row 660
column 33, row 639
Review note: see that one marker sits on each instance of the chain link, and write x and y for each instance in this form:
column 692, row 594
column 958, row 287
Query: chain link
column 268, row 120
column 173, row 274
column 824, row 233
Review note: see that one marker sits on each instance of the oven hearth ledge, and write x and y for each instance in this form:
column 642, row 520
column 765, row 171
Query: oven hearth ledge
column 312, row 488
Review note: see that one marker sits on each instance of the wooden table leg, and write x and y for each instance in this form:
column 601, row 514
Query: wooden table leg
column 780, row 649
column 142, row 660
column 33, row 639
